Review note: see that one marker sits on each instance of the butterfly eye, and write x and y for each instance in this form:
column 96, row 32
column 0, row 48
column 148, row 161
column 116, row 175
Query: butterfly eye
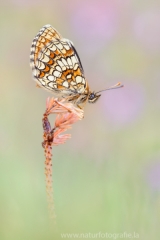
column 92, row 96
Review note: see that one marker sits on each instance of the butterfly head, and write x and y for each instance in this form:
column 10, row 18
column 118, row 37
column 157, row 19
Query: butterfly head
column 93, row 97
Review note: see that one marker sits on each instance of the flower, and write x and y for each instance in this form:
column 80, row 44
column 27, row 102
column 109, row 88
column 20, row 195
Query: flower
column 67, row 114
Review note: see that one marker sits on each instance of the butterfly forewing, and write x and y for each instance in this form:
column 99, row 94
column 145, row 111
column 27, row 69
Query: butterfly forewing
column 55, row 63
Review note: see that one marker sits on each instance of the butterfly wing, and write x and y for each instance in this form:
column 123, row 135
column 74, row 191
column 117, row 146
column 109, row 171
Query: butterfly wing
column 55, row 63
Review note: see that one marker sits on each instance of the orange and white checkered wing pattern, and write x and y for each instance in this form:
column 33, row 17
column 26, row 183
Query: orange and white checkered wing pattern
column 56, row 65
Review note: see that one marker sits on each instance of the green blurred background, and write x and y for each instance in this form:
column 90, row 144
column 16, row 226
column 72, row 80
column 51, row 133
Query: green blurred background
column 107, row 176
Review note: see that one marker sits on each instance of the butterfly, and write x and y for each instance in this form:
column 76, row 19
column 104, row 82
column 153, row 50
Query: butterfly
column 57, row 67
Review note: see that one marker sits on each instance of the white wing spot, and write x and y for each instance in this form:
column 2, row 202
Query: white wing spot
column 47, row 51
column 63, row 51
column 56, row 74
column 74, row 61
column 60, row 63
column 83, row 80
column 51, row 78
column 69, row 76
column 45, row 58
column 60, row 46
column 78, row 79
column 66, row 46
column 58, row 68
column 64, row 62
column 52, row 85
column 65, row 84
column 75, row 67
column 52, row 47
column 40, row 65
column 69, row 61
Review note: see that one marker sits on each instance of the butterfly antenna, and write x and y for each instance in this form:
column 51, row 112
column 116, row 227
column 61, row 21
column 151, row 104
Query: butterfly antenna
column 118, row 85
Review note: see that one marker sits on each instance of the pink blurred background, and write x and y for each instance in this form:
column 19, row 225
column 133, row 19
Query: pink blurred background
column 106, row 178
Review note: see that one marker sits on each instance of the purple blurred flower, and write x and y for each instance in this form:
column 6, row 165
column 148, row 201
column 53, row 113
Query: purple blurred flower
column 95, row 20
column 124, row 105
column 147, row 29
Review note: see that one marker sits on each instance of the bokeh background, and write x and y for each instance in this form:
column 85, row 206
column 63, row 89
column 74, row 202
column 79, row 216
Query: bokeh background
column 107, row 176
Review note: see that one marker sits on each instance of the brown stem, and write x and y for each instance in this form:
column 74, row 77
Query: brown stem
column 48, row 139
column 48, row 173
